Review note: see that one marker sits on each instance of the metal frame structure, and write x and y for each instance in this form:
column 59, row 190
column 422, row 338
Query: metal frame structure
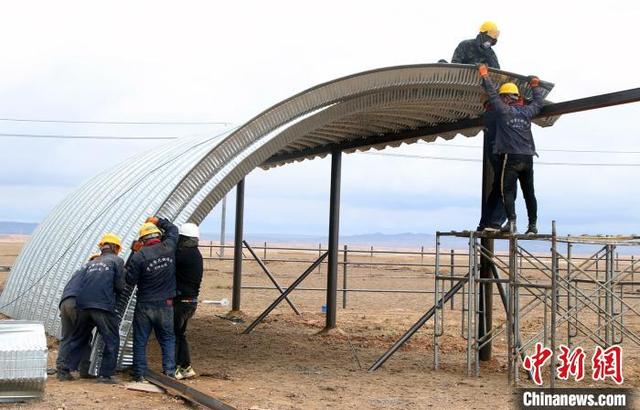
column 185, row 179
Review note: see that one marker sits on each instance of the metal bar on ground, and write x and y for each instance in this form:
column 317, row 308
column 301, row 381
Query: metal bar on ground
column 189, row 393
column 416, row 326
column 284, row 295
column 334, row 231
column 237, row 253
column 270, row 275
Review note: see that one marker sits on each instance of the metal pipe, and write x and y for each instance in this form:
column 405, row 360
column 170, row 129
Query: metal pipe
column 270, row 275
column 486, row 300
column 416, row 326
column 194, row 396
column 344, row 277
column 223, row 226
column 237, row 253
column 280, row 298
column 334, row 229
column 436, row 321
column 452, row 268
column 554, row 300
column 470, row 302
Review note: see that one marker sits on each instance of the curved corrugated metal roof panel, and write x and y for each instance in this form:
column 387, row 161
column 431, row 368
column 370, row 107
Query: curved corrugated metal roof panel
column 184, row 179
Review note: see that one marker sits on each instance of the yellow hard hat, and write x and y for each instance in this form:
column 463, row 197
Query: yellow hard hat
column 148, row 228
column 112, row 239
column 509, row 88
column 491, row 29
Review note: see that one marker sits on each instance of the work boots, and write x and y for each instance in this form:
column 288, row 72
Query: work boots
column 510, row 227
column 532, row 229
column 64, row 375
column 106, row 380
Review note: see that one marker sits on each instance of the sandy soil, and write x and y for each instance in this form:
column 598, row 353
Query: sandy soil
column 285, row 364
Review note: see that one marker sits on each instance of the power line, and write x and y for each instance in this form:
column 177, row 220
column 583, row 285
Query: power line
column 118, row 122
column 541, row 150
column 575, row 164
column 84, row 137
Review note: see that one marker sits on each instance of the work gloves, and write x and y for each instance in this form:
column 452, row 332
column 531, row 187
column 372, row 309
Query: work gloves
column 483, row 70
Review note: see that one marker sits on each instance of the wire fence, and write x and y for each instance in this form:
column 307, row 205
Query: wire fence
column 362, row 262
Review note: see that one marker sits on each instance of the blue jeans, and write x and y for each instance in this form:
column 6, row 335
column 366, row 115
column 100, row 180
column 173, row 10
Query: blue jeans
column 159, row 317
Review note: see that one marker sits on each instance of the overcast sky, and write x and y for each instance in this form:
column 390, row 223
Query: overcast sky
column 227, row 61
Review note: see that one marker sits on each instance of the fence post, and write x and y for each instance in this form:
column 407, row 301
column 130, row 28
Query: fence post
column 210, row 249
column 371, row 262
column 319, row 254
column 633, row 271
column 453, row 266
column 264, row 257
column 422, row 255
column 344, row 279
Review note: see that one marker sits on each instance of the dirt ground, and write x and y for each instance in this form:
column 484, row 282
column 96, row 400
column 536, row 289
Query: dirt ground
column 285, row 364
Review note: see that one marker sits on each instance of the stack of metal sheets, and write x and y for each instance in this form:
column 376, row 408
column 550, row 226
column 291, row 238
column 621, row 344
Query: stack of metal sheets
column 23, row 360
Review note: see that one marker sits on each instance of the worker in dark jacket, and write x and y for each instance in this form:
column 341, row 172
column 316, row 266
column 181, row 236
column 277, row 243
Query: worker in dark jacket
column 189, row 277
column 515, row 144
column 68, row 321
column 102, row 281
column 153, row 270
column 479, row 50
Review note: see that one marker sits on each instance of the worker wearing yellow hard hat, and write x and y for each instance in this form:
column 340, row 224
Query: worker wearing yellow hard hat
column 96, row 287
column 152, row 269
column 479, row 50
column 110, row 240
column 515, row 145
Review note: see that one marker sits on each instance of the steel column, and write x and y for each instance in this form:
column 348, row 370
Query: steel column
column 237, row 250
column 334, row 228
column 223, row 226
column 485, row 320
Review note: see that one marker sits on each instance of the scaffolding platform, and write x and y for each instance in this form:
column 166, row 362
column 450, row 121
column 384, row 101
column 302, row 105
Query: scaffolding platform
column 555, row 298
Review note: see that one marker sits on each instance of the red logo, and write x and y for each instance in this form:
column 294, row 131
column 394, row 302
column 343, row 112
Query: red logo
column 604, row 362
column 571, row 363
column 608, row 363
column 534, row 362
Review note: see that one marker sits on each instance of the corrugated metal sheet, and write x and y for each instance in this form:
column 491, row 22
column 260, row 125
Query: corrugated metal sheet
column 185, row 179
column 23, row 360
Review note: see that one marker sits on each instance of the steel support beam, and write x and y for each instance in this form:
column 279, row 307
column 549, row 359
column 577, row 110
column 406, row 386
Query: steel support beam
column 237, row 250
column 194, row 396
column 566, row 107
column 334, row 228
column 485, row 320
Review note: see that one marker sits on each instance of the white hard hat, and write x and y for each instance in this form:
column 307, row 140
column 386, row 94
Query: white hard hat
column 190, row 230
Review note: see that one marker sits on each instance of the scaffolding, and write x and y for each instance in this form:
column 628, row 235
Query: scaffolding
column 553, row 300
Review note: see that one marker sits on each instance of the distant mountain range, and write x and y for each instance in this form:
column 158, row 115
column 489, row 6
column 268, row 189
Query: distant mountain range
column 17, row 228
column 407, row 241
column 414, row 240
